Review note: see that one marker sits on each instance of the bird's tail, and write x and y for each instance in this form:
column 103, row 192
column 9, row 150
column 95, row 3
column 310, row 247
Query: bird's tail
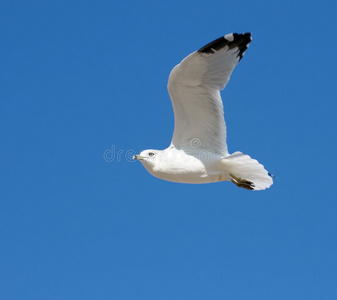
column 247, row 172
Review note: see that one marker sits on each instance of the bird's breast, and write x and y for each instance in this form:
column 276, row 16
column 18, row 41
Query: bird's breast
column 184, row 169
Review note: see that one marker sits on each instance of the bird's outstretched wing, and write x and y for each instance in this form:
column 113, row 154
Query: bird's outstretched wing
column 194, row 86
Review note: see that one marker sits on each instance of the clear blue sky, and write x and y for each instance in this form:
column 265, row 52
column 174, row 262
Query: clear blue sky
column 84, row 78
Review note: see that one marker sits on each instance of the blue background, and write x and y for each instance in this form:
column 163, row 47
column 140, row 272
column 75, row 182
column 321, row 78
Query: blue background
column 83, row 88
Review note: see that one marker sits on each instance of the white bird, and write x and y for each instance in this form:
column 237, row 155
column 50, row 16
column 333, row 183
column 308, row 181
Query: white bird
column 198, row 151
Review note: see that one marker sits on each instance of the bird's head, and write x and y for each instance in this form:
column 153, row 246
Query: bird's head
column 148, row 157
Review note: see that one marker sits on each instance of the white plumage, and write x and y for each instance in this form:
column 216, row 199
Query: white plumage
column 198, row 151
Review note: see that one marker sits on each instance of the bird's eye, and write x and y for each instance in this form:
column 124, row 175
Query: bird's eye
column 151, row 154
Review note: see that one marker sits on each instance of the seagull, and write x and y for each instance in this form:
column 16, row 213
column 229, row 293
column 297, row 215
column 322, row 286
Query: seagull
column 198, row 151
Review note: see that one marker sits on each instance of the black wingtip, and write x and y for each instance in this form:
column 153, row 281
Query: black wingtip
column 231, row 40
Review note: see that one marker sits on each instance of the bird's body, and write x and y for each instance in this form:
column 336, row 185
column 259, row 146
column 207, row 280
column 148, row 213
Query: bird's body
column 178, row 166
column 198, row 151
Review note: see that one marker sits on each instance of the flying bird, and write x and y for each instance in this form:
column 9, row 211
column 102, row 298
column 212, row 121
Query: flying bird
column 198, row 151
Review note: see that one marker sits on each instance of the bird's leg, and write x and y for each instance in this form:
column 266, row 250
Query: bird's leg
column 242, row 183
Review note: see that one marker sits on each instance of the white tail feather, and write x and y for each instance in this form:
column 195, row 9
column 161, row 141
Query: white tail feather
column 245, row 167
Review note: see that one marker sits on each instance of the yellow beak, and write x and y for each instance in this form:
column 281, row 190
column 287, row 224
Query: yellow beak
column 138, row 157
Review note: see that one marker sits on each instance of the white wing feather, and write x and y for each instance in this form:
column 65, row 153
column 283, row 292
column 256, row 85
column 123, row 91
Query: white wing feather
column 194, row 87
